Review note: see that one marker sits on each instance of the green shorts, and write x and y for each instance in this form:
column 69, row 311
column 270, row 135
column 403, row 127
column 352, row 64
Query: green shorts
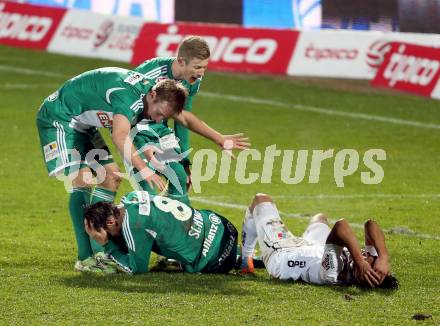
column 67, row 150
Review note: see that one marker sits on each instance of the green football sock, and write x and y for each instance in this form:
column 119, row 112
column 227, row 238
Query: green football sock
column 79, row 198
column 98, row 195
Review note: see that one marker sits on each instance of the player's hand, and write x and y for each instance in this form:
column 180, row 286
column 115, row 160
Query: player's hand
column 99, row 235
column 188, row 177
column 237, row 141
column 382, row 267
column 154, row 180
column 365, row 274
column 149, row 152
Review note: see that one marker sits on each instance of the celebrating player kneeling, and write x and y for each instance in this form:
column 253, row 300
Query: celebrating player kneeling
column 321, row 256
column 201, row 240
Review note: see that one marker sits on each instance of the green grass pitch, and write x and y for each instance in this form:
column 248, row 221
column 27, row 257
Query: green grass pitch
column 37, row 250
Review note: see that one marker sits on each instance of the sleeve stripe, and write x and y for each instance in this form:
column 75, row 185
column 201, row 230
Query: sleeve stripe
column 153, row 71
column 127, row 233
column 123, row 267
column 136, row 105
column 61, row 141
column 156, row 72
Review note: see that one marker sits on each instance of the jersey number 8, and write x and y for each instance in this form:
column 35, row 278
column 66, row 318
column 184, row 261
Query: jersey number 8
column 179, row 210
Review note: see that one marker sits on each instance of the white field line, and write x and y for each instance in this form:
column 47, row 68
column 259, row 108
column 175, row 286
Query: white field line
column 360, row 196
column 394, row 230
column 28, row 86
column 306, row 108
column 27, row 71
column 349, row 196
column 244, row 99
column 297, row 107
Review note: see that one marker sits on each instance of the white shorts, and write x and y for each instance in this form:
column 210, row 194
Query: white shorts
column 287, row 256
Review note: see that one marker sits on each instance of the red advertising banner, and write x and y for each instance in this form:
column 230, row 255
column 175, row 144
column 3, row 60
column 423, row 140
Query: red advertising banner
column 233, row 48
column 410, row 68
column 28, row 26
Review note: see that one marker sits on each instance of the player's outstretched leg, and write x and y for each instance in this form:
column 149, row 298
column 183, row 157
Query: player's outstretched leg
column 248, row 241
column 272, row 233
column 79, row 199
column 106, row 192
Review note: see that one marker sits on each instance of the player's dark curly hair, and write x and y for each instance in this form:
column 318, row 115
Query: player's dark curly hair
column 389, row 282
column 97, row 214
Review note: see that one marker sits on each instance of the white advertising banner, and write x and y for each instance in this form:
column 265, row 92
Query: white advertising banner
column 88, row 34
column 347, row 54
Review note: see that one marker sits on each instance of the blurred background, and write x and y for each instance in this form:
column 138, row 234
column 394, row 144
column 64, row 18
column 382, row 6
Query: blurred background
column 418, row 16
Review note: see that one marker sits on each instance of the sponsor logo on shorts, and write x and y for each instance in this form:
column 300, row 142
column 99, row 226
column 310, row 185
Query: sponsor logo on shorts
column 296, row 263
column 228, row 249
column 105, row 119
column 51, row 151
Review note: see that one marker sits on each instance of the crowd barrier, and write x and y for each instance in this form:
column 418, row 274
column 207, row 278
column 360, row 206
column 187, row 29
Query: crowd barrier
column 404, row 61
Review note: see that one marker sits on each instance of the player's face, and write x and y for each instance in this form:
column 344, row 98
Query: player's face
column 194, row 69
column 113, row 226
column 159, row 111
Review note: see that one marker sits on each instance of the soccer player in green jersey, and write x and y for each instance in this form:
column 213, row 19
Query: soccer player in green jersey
column 201, row 240
column 188, row 67
column 113, row 98
column 67, row 123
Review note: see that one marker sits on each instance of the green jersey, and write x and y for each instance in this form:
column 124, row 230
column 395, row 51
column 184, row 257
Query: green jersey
column 159, row 68
column 94, row 97
column 202, row 241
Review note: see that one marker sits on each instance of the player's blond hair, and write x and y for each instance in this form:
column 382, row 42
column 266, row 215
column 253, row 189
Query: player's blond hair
column 171, row 91
column 193, row 47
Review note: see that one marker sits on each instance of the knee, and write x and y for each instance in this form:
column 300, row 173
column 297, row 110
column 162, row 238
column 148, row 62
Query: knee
column 369, row 222
column 319, row 218
column 342, row 223
column 260, row 198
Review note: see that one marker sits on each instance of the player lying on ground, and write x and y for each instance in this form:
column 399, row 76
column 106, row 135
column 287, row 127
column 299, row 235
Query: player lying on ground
column 113, row 98
column 201, row 240
column 188, row 67
column 321, row 256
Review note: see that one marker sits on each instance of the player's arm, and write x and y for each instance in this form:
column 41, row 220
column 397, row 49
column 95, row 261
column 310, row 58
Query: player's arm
column 375, row 237
column 124, row 144
column 139, row 247
column 138, row 257
column 343, row 236
column 228, row 142
column 181, row 131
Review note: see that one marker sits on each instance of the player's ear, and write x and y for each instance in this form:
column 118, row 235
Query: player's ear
column 181, row 61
